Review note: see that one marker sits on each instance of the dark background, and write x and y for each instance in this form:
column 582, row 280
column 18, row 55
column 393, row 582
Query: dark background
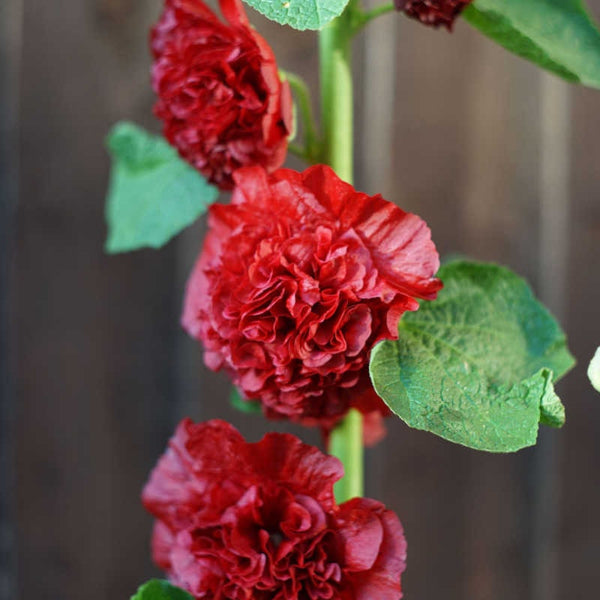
column 502, row 162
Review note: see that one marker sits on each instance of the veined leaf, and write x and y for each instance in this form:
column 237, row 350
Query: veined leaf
column 558, row 35
column 300, row 14
column 476, row 365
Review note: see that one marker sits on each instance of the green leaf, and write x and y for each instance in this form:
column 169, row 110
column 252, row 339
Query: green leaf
column 156, row 589
column 593, row 371
column 475, row 366
column 300, row 14
column 153, row 194
column 243, row 405
column 558, row 35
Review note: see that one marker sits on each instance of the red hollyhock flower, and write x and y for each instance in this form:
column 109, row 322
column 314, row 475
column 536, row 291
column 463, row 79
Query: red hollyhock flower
column 299, row 277
column 220, row 96
column 433, row 12
column 240, row 521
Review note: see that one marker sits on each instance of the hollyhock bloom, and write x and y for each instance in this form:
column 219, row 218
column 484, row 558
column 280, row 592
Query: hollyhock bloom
column 240, row 521
column 299, row 277
column 220, row 97
column 433, row 12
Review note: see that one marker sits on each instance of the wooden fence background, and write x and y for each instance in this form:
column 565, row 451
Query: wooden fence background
column 503, row 163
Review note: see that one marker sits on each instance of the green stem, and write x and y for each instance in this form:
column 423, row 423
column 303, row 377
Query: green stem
column 336, row 95
column 346, row 442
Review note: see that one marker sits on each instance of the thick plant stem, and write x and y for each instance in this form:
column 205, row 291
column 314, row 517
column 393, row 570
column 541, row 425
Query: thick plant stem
column 336, row 95
column 346, row 443
column 335, row 39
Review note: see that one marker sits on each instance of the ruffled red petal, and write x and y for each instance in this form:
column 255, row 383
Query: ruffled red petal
column 220, row 97
column 233, row 11
column 299, row 277
column 238, row 520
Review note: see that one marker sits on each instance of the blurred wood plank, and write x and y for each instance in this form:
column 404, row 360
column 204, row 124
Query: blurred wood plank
column 10, row 53
column 104, row 371
column 579, row 534
column 95, row 366
column 554, row 224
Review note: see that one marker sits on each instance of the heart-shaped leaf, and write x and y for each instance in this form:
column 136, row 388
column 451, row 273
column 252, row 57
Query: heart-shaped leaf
column 153, row 194
column 475, row 366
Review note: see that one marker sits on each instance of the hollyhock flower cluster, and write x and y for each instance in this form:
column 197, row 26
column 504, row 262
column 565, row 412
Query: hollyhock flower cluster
column 433, row 12
column 299, row 277
column 240, row 521
column 220, row 96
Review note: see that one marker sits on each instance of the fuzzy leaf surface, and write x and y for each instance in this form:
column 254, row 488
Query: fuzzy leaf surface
column 558, row 35
column 300, row 14
column 476, row 366
column 153, row 194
